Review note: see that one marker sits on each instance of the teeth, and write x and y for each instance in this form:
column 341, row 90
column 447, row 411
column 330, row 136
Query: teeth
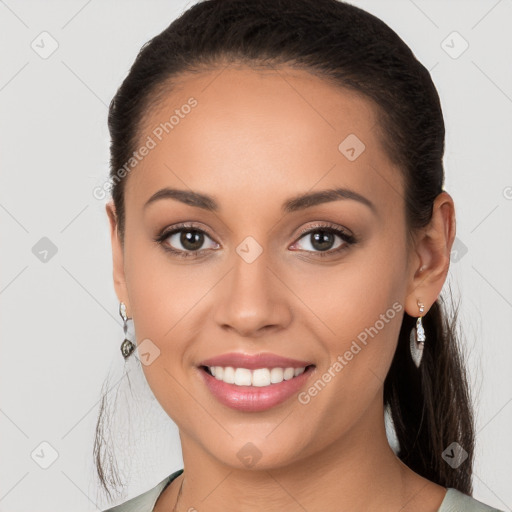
column 257, row 378
column 229, row 374
column 242, row 377
column 261, row 377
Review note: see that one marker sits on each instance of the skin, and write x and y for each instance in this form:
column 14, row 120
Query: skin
column 255, row 139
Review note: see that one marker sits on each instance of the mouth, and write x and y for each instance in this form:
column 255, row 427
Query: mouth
column 259, row 377
column 254, row 390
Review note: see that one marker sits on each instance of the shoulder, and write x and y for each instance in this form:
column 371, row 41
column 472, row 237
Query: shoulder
column 146, row 501
column 456, row 501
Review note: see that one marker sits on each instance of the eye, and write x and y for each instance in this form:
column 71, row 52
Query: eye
column 185, row 240
column 188, row 240
column 322, row 239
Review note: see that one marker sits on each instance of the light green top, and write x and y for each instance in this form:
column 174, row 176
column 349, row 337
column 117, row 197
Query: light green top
column 454, row 500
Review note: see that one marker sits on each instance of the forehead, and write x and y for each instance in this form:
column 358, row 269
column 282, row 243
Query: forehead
column 271, row 132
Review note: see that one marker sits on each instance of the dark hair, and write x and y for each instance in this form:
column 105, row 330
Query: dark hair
column 336, row 41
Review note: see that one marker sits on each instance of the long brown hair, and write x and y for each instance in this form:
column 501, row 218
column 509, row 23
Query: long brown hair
column 430, row 406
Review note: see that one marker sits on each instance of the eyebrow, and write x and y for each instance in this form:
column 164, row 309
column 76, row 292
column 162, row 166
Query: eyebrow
column 294, row 204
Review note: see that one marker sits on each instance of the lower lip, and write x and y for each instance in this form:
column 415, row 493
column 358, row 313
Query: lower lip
column 252, row 398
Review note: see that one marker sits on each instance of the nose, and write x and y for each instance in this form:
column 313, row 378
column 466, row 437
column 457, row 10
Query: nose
column 252, row 301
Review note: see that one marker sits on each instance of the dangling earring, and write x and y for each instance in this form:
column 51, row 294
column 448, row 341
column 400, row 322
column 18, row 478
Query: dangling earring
column 417, row 338
column 127, row 347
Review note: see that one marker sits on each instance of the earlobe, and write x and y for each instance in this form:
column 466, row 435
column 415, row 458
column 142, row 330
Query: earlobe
column 432, row 255
column 117, row 255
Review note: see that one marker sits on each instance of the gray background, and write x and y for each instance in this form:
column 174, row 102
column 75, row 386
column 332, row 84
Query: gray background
column 60, row 328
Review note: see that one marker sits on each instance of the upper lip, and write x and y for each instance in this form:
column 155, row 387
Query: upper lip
column 254, row 361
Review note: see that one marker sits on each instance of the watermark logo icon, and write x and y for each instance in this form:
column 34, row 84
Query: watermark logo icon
column 454, row 45
column 44, row 45
column 44, row 455
column 44, row 250
column 147, row 352
column 249, row 250
column 351, row 147
column 249, row 455
column 455, row 455
column 459, row 250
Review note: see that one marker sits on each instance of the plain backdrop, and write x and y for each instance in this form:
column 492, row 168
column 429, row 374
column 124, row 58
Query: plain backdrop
column 59, row 314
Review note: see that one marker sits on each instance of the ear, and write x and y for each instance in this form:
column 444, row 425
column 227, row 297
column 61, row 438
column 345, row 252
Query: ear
column 117, row 257
column 430, row 261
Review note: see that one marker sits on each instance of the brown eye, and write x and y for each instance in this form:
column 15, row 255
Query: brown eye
column 186, row 241
column 321, row 240
column 324, row 240
column 191, row 240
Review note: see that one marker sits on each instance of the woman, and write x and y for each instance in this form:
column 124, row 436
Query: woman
column 280, row 238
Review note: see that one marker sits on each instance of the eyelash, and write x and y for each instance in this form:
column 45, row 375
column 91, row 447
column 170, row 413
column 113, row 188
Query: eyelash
column 326, row 227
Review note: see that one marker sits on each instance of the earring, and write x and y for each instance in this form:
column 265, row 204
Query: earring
column 417, row 338
column 127, row 347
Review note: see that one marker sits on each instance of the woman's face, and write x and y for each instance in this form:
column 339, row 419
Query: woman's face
column 252, row 281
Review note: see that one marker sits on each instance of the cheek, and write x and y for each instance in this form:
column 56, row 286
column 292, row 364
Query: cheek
column 170, row 304
column 161, row 290
column 351, row 297
column 165, row 300
column 365, row 316
column 360, row 307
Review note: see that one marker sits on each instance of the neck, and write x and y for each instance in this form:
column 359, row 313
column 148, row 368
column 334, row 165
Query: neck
column 359, row 471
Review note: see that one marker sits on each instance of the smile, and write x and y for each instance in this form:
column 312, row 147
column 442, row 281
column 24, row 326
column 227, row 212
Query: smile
column 254, row 390
column 259, row 377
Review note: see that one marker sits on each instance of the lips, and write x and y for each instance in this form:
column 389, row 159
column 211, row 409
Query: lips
column 260, row 396
column 254, row 361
